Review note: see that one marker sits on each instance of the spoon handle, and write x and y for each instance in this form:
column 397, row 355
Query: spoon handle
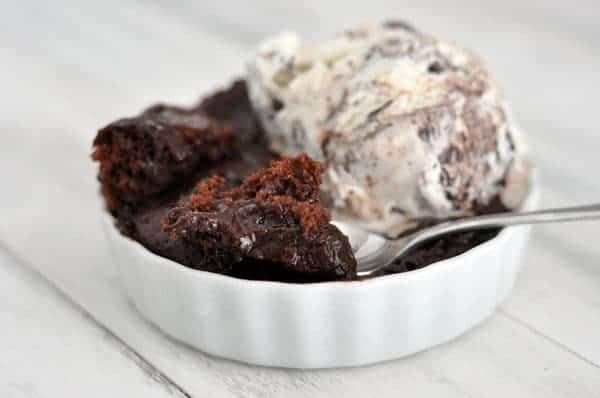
column 395, row 248
column 587, row 212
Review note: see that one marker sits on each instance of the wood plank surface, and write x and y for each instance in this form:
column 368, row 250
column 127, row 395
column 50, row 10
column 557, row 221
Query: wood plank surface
column 78, row 66
column 51, row 348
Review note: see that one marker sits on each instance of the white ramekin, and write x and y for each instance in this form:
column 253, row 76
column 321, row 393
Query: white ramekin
column 320, row 325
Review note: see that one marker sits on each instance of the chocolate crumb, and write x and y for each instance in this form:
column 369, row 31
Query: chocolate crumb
column 425, row 133
column 276, row 104
column 379, row 109
column 435, row 68
column 399, row 24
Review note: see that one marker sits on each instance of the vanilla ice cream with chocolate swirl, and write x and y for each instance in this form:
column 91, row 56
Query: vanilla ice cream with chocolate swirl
column 409, row 127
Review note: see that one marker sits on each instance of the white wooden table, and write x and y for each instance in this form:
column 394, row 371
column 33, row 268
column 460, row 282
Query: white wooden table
column 67, row 68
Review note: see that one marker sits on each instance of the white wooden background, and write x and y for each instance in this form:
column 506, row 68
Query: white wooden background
column 67, row 67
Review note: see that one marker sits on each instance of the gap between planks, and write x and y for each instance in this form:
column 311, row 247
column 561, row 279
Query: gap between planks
column 544, row 336
column 128, row 352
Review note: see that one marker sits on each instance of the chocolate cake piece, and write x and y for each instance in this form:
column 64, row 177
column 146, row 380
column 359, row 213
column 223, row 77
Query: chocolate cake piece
column 145, row 155
column 275, row 217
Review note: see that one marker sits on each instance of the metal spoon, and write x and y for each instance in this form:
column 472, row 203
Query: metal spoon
column 375, row 252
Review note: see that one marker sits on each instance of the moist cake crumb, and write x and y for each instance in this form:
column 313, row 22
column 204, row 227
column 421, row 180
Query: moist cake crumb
column 291, row 182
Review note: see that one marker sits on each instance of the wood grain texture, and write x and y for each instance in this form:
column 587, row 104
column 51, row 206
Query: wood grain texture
column 50, row 348
column 79, row 66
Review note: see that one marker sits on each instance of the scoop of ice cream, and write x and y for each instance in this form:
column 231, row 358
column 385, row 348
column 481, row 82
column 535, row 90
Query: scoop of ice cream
column 409, row 127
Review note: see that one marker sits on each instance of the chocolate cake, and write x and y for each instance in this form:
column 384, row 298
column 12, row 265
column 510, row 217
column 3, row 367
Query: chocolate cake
column 143, row 156
column 274, row 216
column 200, row 186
